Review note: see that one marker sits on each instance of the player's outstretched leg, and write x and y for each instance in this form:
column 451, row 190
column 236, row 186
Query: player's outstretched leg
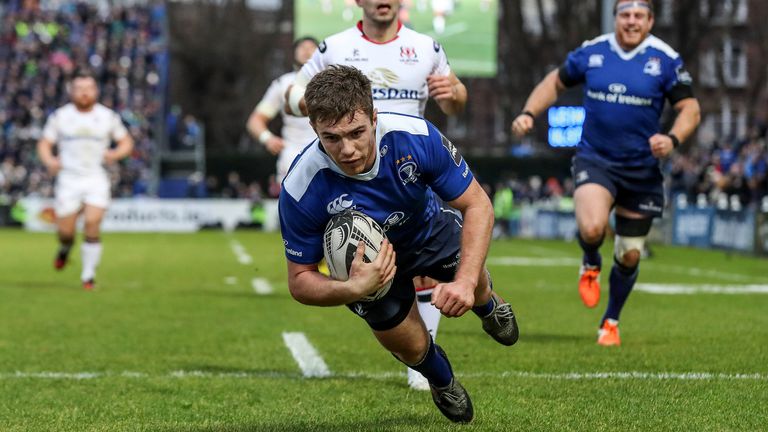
column 496, row 314
column 589, row 272
column 410, row 343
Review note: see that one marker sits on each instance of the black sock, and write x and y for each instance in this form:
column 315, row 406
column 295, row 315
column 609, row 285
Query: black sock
column 591, row 252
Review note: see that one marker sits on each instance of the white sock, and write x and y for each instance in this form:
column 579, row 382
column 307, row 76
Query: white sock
column 430, row 315
column 91, row 256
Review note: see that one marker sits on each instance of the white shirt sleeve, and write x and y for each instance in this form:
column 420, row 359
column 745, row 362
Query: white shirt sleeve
column 118, row 128
column 272, row 102
column 50, row 131
column 316, row 64
column 441, row 62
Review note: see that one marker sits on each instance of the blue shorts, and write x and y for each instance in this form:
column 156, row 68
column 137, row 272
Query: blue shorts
column 639, row 189
column 438, row 259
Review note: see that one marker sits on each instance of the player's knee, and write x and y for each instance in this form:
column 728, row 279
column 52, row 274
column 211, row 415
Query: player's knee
column 412, row 353
column 66, row 237
column 630, row 259
column 592, row 232
column 630, row 239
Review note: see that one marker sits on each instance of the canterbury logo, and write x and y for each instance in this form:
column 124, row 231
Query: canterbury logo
column 339, row 204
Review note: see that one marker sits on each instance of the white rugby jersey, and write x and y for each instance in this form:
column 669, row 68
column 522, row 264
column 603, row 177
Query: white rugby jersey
column 398, row 69
column 296, row 132
column 83, row 137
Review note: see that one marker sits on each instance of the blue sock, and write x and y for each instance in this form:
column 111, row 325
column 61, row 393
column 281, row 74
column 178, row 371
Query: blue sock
column 484, row 310
column 591, row 252
column 622, row 280
column 435, row 366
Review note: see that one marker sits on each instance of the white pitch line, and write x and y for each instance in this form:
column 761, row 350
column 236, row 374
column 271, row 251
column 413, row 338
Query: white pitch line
column 562, row 376
column 242, row 255
column 309, row 360
column 261, row 286
column 514, row 261
column 670, row 289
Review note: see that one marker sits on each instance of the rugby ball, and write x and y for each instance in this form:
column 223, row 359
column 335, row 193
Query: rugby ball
column 342, row 234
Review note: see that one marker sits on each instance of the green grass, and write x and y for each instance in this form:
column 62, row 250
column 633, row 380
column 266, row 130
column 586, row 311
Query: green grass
column 162, row 305
column 469, row 38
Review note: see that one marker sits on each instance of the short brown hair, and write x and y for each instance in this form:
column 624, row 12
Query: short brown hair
column 648, row 2
column 338, row 92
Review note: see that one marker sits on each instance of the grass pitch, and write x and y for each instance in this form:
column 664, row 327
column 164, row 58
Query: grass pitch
column 176, row 339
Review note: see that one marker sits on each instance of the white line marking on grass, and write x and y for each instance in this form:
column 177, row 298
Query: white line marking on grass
column 310, row 362
column 230, row 280
column 695, row 271
column 242, row 255
column 701, row 289
column 261, row 286
column 533, row 261
column 563, row 376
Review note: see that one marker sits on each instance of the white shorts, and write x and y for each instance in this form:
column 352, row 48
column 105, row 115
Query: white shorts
column 72, row 192
column 444, row 6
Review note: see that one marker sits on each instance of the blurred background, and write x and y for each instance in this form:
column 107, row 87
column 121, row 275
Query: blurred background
column 185, row 75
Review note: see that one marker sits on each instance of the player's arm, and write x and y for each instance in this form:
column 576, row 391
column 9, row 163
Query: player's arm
column 542, row 97
column 45, row 154
column 258, row 128
column 122, row 150
column 457, row 297
column 688, row 118
column 308, row 286
column 294, row 95
column 448, row 91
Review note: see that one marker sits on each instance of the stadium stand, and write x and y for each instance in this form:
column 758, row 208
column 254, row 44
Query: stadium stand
column 40, row 46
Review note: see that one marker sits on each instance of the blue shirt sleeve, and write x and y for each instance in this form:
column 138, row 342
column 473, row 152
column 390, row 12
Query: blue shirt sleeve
column 675, row 74
column 447, row 173
column 575, row 66
column 302, row 233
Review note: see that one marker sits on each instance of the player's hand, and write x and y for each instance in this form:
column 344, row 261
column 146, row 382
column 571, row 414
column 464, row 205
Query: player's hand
column 454, row 299
column 274, row 145
column 522, row 125
column 370, row 277
column 661, row 145
column 111, row 156
column 440, row 87
column 53, row 166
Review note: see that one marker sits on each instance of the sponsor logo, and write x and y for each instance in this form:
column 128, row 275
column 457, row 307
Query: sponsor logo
column 408, row 55
column 595, row 61
column 466, row 172
column 650, row 206
column 436, row 46
column 683, row 76
column 617, row 88
column 582, row 176
column 394, row 219
column 455, row 155
column 339, row 204
column 653, row 66
column 408, row 172
column 322, row 47
column 619, row 98
column 356, row 57
column 393, row 93
column 383, row 150
column 294, row 252
column 359, row 309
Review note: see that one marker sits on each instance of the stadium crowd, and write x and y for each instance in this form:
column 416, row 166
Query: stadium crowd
column 41, row 47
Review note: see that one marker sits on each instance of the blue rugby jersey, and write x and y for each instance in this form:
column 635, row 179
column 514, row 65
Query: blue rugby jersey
column 624, row 95
column 414, row 165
